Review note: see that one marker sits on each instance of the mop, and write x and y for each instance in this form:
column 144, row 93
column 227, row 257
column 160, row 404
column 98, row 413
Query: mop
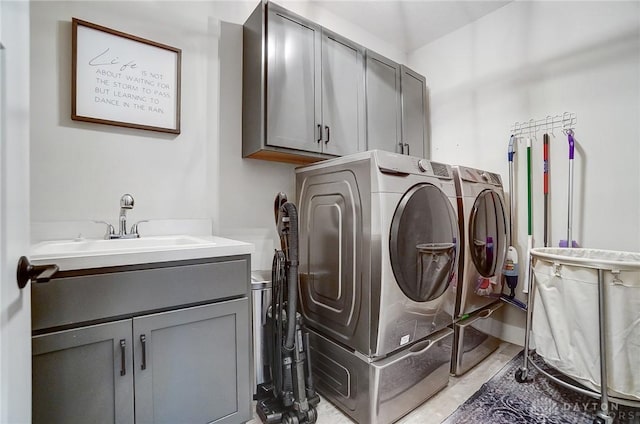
column 572, row 243
column 510, row 268
column 545, row 159
column 525, row 289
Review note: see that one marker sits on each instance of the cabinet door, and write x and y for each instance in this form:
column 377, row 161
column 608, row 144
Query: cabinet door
column 383, row 104
column 343, row 106
column 81, row 376
column 193, row 366
column 414, row 108
column 293, row 81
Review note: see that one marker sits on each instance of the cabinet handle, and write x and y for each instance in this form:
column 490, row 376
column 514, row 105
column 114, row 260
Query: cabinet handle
column 401, row 148
column 407, row 145
column 123, row 360
column 328, row 130
column 319, row 133
column 143, row 340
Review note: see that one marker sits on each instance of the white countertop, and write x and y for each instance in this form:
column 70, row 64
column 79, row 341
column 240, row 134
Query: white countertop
column 96, row 253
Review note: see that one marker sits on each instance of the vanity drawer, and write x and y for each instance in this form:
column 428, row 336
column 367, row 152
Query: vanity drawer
column 72, row 300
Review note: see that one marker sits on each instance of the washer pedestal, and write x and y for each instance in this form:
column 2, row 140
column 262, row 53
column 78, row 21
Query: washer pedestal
column 473, row 340
column 381, row 391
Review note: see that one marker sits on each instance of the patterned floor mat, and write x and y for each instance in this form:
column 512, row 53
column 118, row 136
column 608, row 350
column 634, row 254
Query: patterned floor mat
column 503, row 400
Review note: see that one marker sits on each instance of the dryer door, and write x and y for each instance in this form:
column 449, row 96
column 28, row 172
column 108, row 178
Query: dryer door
column 333, row 265
column 488, row 233
column 423, row 243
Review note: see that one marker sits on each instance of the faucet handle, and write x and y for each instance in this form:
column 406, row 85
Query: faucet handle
column 134, row 227
column 110, row 230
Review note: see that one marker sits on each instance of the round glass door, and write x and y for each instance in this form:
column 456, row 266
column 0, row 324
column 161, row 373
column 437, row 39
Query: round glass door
column 423, row 243
column 488, row 233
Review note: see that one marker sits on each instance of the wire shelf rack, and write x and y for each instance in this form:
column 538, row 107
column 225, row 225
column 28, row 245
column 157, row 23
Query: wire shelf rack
column 565, row 122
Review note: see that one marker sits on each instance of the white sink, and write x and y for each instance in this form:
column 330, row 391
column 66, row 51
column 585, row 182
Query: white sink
column 90, row 253
column 65, row 247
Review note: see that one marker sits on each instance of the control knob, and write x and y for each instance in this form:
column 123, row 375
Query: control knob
column 423, row 165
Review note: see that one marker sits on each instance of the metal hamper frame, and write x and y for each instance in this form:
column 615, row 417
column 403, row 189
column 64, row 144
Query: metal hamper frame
column 602, row 416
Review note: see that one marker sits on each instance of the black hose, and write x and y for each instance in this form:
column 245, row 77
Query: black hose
column 275, row 329
column 292, row 275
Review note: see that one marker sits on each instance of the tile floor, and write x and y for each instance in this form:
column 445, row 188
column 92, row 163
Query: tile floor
column 439, row 407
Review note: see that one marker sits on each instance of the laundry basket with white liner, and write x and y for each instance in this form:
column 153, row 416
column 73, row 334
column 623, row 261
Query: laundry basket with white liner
column 566, row 321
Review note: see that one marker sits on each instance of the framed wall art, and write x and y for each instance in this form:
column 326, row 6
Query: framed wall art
column 124, row 80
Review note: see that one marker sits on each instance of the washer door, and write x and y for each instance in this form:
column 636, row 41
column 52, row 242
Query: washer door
column 423, row 243
column 487, row 233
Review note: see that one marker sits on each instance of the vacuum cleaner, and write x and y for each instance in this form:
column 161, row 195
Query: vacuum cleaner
column 289, row 397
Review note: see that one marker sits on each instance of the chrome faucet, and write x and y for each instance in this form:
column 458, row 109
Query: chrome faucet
column 126, row 203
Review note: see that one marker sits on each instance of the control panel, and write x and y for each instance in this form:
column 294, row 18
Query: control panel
column 402, row 164
column 479, row 176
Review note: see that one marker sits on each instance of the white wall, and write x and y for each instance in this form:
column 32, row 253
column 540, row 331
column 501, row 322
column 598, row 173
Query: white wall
column 533, row 59
column 79, row 170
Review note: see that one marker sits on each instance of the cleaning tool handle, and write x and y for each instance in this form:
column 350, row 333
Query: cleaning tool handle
column 525, row 288
column 512, row 199
column 529, row 195
column 571, row 144
column 570, row 208
column 545, row 159
column 512, row 150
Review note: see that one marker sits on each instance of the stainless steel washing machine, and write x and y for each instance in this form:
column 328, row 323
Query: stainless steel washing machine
column 483, row 229
column 379, row 246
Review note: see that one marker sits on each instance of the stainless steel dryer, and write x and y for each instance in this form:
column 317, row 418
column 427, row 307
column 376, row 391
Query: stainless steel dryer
column 378, row 255
column 483, row 228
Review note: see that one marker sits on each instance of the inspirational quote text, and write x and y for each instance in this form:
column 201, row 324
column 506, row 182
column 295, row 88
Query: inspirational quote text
column 124, row 84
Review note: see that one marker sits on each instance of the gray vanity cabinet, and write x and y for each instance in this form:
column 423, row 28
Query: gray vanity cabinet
column 81, row 376
column 192, row 364
column 396, row 107
column 303, row 89
column 170, row 341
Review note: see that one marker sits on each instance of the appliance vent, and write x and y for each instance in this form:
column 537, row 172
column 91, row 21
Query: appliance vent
column 440, row 170
column 495, row 178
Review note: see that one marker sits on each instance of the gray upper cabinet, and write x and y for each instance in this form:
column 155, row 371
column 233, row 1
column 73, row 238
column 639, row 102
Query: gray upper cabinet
column 303, row 89
column 414, row 112
column 384, row 120
column 343, row 105
column 396, row 107
column 293, row 81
